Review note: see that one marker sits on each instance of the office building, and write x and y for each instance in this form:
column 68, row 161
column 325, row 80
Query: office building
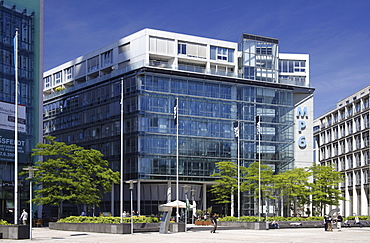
column 216, row 83
column 26, row 16
column 342, row 139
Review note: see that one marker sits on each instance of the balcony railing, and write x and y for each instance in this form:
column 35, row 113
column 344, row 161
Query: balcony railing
column 157, row 64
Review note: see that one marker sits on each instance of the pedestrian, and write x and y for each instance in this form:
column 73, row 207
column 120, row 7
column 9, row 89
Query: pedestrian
column 339, row 222
column 214, row 222
column 275, row 224
column 357, row 221
column 329, row 222
column 325, row 222
column 24, row 217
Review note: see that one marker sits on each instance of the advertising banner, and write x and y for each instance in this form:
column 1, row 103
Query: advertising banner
column 7, row 117
column 7, row 146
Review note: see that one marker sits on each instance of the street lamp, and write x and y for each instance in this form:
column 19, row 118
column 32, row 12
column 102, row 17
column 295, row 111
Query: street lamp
column 186, row 187
column 30, row 177
column 266, row 209
column 192, row 198
column 131, row 182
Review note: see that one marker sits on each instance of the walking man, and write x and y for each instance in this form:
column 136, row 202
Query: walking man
column 24, row 217
column 214, row 222
column 339, row 222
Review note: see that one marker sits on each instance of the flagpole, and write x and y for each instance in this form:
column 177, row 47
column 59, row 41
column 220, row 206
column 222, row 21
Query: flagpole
column 16, row 129
column 259, row 166
column 238, row 171
column 122, row 154
column 176, row 117
column 236, row 137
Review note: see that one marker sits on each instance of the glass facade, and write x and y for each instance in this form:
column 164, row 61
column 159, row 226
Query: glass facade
column 206, row 112
column 25, row 20
column 259, row 58
column 215, row 85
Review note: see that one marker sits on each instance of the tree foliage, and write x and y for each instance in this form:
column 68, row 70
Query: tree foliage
column 253, row 177
column 227, row 181
column 324, row 186
column 70, row 173
column 295, row 186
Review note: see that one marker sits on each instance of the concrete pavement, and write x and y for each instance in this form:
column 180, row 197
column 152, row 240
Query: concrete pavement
column 201, row 234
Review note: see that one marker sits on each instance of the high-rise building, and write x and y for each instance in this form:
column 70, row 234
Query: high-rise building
column 215, row 82
column 342, row 139
column 26, row 18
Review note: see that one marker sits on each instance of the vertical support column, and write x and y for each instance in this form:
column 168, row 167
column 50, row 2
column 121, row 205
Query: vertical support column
column 347, row 203
column 138, row 196
column 204, row 196
column 169, row 192
column 112, row 200
column 363, row 195
column 355, row 195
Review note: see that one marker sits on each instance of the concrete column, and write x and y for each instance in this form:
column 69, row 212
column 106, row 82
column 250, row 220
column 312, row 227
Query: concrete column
column 138, row 196
column 363, row 195
column 347, row 203
column 112, row 201
column 355, row 200
column 169, row 192
column 204, row 196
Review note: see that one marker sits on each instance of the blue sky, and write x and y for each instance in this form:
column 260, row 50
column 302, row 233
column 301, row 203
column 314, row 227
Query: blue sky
column 336, row 33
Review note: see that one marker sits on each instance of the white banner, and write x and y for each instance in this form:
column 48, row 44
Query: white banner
column 7, row 117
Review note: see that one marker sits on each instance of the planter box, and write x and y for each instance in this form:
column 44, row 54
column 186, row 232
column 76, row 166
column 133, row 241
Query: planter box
column 262, row 225
column 177, row 227
column 245, row 225
column 14, row 232
column 106, row 228
column 199, row 222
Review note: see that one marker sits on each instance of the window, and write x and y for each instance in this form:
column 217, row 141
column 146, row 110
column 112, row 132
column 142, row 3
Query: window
column 57, row 78
column 366, row 103
column 93, row 64
column 192, row 49
column 68, row 73
column 123, row 48
column 358, row 178
column 107, row 58
column 358, row 107
column 181, row 49
column 161, row 45
column 47, row 82
column 292, row 66
column 221, row 53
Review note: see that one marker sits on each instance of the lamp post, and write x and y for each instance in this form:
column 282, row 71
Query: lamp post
column 267, row 210
column 30, row 177
column 192, row 198
column 131, row 182
column 186, row 187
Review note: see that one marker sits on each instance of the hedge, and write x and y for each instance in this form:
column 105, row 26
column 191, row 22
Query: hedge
column 280, row 218
column 108, row 220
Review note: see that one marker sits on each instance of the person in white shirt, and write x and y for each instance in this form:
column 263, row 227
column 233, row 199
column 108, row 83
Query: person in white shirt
column 24, row 217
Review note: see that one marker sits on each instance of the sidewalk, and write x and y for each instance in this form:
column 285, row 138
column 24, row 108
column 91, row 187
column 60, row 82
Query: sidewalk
column 201, row 234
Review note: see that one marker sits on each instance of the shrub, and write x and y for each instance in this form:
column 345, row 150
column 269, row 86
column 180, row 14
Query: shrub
column 4, row 222
column 277, row 218
column 108, row 220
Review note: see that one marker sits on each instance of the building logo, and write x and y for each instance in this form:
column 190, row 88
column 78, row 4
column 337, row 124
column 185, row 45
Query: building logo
column 302, row 115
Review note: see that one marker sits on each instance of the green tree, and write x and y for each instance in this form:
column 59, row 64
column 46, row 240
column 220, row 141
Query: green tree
column 324, row 187
column 70, row 173
column 226, row 182
column 266, row 179
column 293, row 185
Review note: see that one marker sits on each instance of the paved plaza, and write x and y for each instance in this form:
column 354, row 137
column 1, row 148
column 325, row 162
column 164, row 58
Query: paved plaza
column 202, row 234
